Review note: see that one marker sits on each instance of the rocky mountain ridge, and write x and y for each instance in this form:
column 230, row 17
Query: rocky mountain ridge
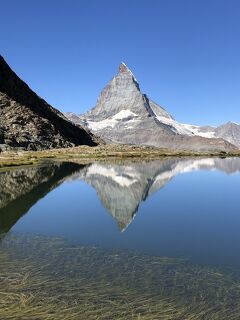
column 29, row 122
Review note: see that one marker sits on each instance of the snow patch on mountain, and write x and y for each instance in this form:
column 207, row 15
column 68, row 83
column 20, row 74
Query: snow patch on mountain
column 122, row 115
column 176, row 126
column 186, row 129
column 198, row 131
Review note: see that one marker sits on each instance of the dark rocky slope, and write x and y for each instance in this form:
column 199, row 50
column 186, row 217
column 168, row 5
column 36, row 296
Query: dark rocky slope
column 29, row 122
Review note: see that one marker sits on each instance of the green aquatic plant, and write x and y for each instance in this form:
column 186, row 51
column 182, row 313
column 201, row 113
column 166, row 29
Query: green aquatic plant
column 49, row 278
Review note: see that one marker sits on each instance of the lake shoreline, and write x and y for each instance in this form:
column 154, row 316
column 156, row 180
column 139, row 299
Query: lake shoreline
column 16, row 158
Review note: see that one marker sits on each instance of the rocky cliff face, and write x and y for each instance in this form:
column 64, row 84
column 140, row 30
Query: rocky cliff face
column 29, row 122
column 124, row 115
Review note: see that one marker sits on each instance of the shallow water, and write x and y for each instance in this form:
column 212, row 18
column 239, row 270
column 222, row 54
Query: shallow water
column 143, row 240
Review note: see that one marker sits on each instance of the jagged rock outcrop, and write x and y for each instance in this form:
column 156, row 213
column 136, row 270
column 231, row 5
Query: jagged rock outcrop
column 29, row 122
column 124, row 115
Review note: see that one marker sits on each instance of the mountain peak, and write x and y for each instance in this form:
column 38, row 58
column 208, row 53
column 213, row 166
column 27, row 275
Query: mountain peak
column 123, row 68
column 232, row 123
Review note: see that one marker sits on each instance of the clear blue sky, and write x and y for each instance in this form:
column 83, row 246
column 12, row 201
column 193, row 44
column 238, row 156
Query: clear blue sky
column 184, row 53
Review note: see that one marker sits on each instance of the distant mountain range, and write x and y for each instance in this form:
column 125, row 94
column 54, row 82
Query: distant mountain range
column 29, row 122
column 123, row 114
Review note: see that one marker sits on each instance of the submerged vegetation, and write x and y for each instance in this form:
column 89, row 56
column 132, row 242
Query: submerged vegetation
column 48, row 278
column 102, row 152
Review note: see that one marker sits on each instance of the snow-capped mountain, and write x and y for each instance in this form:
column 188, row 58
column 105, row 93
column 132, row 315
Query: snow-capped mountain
column 123, row 114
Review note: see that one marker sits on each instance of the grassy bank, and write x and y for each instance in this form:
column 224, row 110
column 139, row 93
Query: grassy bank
column 84, row 153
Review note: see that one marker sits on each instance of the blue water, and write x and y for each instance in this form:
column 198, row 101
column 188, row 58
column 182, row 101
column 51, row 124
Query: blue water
column 192, row 212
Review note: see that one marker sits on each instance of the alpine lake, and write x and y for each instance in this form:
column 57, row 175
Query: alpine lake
column 144, row 240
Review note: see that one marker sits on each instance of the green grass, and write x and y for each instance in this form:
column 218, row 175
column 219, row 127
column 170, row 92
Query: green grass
column 105, row 152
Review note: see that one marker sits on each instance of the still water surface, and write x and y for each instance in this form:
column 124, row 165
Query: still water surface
column 184, row 212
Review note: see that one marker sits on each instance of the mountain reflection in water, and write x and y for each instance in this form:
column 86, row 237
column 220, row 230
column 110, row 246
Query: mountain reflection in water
column 121, row 187
column 23, row 187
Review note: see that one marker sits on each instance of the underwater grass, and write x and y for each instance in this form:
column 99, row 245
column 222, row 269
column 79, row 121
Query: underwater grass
column 49, row 278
